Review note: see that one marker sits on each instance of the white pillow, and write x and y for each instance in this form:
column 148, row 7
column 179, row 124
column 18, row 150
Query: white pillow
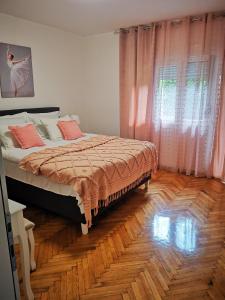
column 6, row 138
column 22, row 114
column 52, row 129
column 75, row 118
column 49, row 115
column 13, row 119
column 36, row 119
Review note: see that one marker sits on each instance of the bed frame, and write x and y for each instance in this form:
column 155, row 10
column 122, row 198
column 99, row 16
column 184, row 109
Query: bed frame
column 65, row 206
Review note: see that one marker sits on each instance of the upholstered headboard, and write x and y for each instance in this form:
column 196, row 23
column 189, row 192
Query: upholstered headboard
column 35, row 110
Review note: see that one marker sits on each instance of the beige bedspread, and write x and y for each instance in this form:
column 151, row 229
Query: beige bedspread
column 97, row 167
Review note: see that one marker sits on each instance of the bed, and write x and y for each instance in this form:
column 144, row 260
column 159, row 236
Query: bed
column 61, row 199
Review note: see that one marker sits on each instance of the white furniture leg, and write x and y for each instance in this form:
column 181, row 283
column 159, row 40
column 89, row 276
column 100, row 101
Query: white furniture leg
column 84, row 228
column 25, row 258
column 30, row 236
column 31, row 242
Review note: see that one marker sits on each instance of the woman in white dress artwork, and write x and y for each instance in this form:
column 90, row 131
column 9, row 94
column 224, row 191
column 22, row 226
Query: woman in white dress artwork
column 19, row 71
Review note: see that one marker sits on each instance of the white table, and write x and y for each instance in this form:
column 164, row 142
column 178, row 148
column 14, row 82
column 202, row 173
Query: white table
column 19, row 233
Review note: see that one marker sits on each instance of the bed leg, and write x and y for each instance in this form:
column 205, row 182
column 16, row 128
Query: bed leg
column 146, row 184
column 84, row 228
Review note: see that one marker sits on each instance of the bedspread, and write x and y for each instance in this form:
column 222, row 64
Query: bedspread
column 96, row 168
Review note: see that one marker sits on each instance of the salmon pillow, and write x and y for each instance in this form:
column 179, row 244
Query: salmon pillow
column 26, row 136
column 70, row 130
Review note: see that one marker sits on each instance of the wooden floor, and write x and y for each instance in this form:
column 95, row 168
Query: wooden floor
column 166, row 243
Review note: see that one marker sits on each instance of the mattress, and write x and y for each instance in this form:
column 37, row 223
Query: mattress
column 13, row 156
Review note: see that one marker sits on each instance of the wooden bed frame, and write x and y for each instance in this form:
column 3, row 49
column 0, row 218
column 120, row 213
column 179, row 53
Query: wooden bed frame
column 66, row 206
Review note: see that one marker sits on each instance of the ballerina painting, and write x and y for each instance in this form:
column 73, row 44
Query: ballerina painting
column 16, row 71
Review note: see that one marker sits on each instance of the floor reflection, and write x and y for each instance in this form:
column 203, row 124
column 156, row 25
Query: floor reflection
column 161, row 228
column 185, row 234
column 181, row 232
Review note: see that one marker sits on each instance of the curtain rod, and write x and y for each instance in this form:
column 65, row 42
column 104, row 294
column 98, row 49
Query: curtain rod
column 174, row 21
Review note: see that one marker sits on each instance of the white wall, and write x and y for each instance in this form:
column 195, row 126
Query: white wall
column 57, row 65
column 101, row 83
column 79, row 74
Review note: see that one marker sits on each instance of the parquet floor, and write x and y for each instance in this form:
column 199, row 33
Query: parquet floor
column 166, row 243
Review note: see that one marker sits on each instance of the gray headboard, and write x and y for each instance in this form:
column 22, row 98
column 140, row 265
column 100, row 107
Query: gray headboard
column 35, row 110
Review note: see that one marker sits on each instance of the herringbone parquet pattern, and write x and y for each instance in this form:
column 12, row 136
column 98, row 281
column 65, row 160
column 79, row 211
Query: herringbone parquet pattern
column 166, row 243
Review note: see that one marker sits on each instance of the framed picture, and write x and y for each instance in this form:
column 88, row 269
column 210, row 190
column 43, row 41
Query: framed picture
column 16, row 73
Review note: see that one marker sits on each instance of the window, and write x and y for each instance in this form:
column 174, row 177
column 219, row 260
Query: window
column 181, row 93
column 166, row 93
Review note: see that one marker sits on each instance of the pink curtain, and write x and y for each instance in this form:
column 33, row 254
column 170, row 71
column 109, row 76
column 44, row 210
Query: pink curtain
column 170, row 83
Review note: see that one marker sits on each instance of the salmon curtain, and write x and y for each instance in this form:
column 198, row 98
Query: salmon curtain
column 171, row 91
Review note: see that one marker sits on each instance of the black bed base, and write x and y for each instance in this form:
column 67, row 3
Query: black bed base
column 65, row 206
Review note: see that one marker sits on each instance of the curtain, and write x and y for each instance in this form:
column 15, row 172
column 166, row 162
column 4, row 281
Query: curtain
column 170, row 90
column 219, row 150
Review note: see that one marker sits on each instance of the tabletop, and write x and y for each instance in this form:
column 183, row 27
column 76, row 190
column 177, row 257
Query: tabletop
column 15, row 207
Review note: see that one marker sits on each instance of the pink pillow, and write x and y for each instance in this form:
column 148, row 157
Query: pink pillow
column 70, row 130
column 26, row 136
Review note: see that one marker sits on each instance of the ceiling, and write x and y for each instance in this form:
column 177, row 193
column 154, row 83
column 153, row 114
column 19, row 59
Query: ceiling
column 87, row 17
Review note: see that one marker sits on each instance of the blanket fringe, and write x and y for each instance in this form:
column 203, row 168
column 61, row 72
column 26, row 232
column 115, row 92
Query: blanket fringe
column 117, row 195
